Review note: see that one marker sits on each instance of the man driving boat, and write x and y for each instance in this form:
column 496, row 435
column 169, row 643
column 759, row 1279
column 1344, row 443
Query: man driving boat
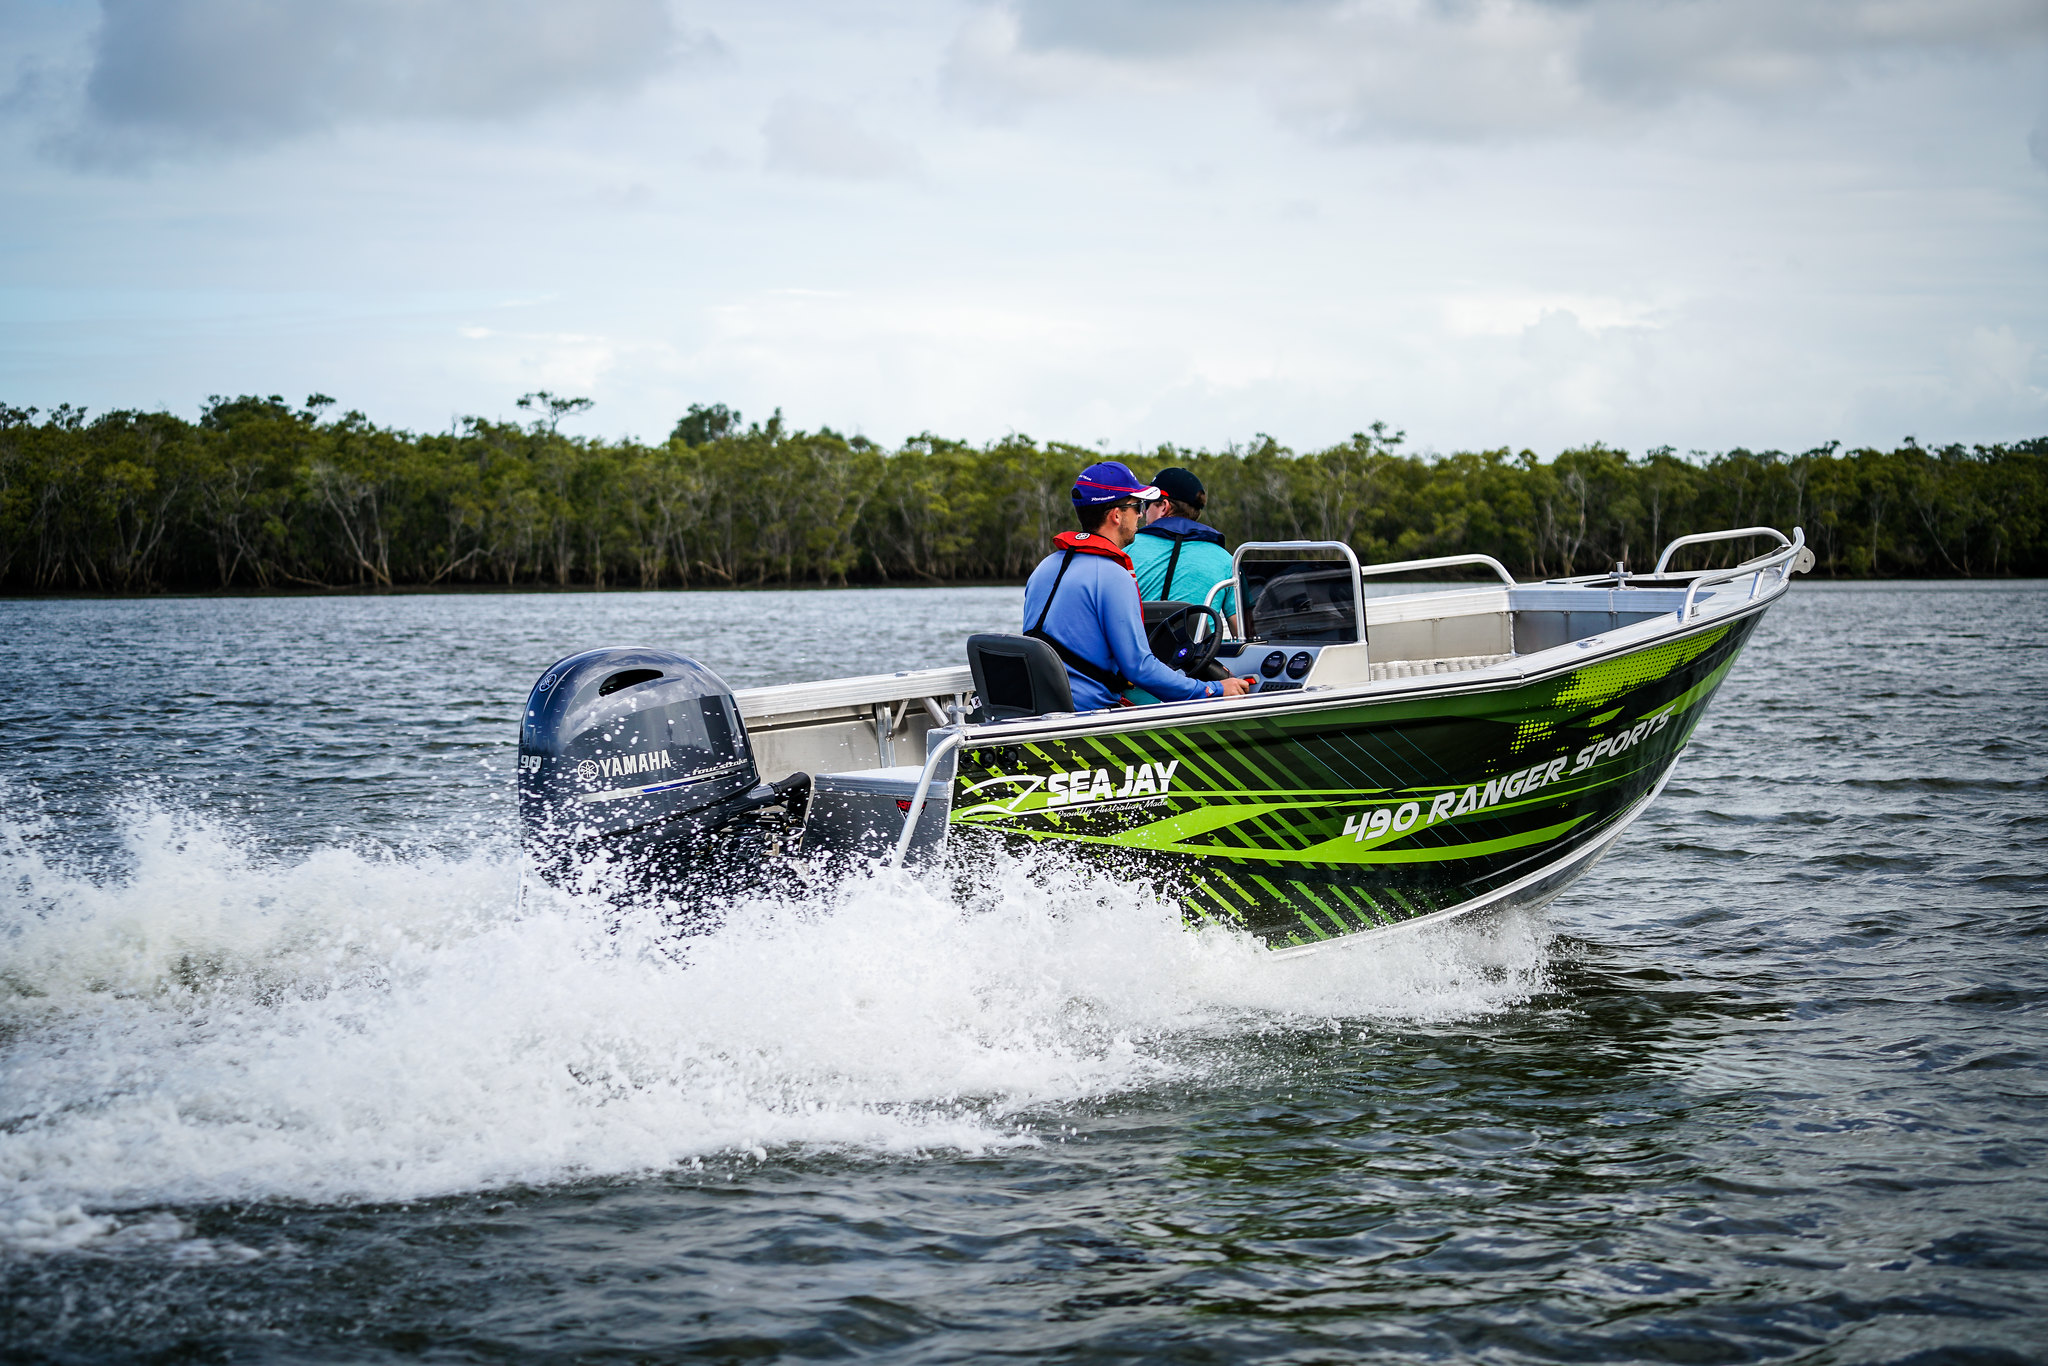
column 1178, row 557
column 1083, row 599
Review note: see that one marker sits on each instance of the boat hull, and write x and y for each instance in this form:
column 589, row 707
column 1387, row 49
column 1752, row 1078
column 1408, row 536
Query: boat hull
column 1328, row 818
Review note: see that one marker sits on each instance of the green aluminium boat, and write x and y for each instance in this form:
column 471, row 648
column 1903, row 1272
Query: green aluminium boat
column 1405, row 757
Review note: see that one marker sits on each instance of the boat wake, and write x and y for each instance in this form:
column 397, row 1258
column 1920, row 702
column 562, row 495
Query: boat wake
column 212, row 1023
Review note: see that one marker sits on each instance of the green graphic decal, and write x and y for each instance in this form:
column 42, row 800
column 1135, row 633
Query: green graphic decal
column 1316, row 822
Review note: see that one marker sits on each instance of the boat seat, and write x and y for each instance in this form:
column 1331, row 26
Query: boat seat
column 1017, row 676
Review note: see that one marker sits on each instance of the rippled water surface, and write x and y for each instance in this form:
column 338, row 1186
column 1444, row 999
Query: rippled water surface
column 287, row 1070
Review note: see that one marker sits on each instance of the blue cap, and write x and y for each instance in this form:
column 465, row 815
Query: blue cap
column 1111, row 481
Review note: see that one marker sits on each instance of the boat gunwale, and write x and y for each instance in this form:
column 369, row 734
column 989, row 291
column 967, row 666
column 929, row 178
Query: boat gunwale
column 819, row 699
column 1494, row 678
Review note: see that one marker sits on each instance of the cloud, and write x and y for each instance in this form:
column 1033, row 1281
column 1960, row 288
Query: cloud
column 1997, row 365
column 197, row 73
column 1148, row 28
column 1463, row 68
column 1503, row 315
column 1637, row 52
column 816, row 138
column 569, row 362
column 988, row 73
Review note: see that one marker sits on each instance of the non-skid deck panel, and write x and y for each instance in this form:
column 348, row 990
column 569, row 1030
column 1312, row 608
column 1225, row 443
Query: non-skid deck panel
column 1423, row 668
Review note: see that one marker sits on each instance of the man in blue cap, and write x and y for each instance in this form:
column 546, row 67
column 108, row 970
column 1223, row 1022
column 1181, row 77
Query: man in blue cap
column 1083, row 599
column 1177, row 557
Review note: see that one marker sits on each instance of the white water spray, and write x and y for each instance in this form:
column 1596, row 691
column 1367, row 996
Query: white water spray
column 353, row 1025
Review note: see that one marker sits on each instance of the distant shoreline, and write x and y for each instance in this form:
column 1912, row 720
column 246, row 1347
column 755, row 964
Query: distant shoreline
column 551, row 590
column 261, row 497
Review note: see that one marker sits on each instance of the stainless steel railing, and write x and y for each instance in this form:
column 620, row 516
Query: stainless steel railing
column 1793, row 558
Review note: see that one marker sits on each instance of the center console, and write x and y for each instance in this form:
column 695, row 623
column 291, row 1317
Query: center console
column 1273, row 667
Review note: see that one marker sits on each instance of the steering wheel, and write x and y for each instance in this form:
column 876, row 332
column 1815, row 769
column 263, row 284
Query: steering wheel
column 1173, row 640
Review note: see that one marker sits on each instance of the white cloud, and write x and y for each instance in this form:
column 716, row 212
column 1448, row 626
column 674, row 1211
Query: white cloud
column 837, row 349
column 566, row 362
column 1506, row 315
column 986, row 72
column 992, row 73
column 1995, row 365
column 816, row 138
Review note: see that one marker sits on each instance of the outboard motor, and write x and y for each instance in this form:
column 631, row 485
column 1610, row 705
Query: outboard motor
column 638, row 759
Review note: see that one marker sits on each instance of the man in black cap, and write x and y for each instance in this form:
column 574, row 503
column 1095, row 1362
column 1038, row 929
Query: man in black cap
column 1178, row 557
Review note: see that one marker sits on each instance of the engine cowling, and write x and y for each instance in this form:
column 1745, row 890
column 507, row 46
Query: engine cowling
column 634, row 751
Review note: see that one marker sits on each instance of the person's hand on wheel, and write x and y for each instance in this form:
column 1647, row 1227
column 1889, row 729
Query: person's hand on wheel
column 1236, row 687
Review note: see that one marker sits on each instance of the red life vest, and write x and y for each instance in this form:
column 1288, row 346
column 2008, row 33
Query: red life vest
column 1073, row 543
column 1088, row 543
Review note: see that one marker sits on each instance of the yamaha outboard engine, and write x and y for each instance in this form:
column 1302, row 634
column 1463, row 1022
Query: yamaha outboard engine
column 636, row 760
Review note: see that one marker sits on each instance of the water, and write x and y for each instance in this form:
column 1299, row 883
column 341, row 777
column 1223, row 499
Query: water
column 287, row 1072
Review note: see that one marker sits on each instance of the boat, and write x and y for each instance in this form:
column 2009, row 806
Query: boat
column 1405, row 758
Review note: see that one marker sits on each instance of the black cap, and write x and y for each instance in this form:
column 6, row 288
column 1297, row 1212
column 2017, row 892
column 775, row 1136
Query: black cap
column 1179, row 485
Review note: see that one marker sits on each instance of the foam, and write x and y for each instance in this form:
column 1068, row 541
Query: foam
column 355, row 1024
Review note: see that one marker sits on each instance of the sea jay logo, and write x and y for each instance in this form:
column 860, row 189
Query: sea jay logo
column 1089, row 785
column 1136, row 784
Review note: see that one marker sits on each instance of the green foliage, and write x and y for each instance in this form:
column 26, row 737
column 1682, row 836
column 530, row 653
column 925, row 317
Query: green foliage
column 258, row 493
column 705, row 423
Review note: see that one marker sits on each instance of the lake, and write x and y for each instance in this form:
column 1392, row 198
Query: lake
column 290, row 1071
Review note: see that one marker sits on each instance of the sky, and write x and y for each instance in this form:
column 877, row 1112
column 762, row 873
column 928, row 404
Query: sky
column 1526, row 223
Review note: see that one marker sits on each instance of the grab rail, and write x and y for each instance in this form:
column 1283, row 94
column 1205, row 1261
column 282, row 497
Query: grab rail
column 924, row 786
column 1704, row 537
column 1441, row 562
column 1795, row 558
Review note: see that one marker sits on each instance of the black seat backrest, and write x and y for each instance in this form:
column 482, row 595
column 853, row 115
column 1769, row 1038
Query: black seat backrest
column 1017, row 676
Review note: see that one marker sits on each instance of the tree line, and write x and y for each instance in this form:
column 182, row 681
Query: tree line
column 259, row 493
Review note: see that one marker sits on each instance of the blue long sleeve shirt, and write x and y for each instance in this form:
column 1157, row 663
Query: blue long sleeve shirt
column 1097, row 615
